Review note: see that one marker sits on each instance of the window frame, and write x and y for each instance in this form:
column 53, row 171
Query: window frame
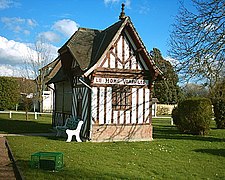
column 121, row 97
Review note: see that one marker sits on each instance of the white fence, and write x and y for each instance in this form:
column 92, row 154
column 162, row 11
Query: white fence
column 22, row 112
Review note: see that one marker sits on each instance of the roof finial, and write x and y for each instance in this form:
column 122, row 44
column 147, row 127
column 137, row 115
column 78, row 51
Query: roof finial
column 122, row 14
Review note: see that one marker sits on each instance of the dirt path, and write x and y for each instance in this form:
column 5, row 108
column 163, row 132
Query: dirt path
column 6, row 167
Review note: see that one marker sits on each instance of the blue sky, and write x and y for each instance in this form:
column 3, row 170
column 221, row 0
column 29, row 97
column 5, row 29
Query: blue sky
column 22, row 22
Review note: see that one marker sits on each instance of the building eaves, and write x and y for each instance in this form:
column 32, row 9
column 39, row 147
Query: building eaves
column 104, row 41
column 59, row 77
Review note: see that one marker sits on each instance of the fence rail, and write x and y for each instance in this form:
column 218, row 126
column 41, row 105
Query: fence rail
column 164, row 117
column 22, row 112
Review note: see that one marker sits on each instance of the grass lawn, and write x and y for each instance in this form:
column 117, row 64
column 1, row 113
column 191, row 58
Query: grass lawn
column 170, row 155
column 18, row 124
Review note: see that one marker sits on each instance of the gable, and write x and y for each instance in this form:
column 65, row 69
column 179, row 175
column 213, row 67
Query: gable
column 124, row 55
column 117, row 47
column 126, row 51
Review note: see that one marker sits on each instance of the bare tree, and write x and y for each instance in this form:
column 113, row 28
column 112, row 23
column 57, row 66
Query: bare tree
column 26, row 89
column 195, row 90
column 198, row 41
column 39, row 55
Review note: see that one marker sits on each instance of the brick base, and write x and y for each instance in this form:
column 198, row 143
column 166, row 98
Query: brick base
column 133, row 132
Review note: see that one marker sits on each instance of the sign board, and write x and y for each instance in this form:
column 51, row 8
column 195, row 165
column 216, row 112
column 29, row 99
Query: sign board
column 121, row 81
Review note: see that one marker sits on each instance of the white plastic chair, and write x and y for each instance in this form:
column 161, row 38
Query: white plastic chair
column 70, row 133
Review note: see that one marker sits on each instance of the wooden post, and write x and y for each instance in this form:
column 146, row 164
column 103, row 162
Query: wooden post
column 171, row 122
column 10, row 114
column 35, row 115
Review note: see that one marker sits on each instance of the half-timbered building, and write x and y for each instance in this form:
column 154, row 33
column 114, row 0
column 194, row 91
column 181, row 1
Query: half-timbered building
column 106, row 79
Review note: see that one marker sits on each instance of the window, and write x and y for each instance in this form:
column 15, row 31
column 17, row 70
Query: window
column 121, row 97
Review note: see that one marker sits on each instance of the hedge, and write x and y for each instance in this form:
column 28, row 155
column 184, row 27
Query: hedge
column 193, row 115
column 219, row 113
column 9, row 93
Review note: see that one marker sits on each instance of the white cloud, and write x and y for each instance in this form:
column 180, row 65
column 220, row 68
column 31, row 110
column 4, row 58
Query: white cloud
column 18, row 25
column 127, row 4
column 31, row 22
column 12, row 52
column 171, row 60
column 65, row 26
column 8, row 70
column 110, row 1
column 10, row 21
column 143, row 8
column 26, row 32
column 50, row 36
column 13, row 55
column 4, row 4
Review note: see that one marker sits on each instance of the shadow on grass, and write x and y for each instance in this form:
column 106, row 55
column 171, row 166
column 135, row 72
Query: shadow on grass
column 67, row 172
column 58, row 138
column 171, row 132
column 29, row 128
column 217, row 152
column 63, row 137
column 21, row 126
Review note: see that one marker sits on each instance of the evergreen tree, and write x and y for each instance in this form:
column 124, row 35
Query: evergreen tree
column 218, row 100
column 9, row 93
column 166, row 91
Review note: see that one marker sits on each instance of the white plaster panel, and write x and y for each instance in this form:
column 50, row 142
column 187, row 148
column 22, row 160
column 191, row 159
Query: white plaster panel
column 105, row 65
column 112, row 61
column 126, row 47
column 147, row 105
column 121, row 118
column 108, row 105
column 134, row 103
column 133, row 63
column 115, row 117
column 128, row 117
column 101, row 105
column 119, row 48
column 140, row 106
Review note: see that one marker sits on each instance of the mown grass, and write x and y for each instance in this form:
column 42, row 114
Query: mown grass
column 170, row 155
column 17, row 124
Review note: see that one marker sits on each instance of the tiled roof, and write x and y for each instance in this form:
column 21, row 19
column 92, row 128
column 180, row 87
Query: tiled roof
column 81, row 46
column 59, row 77
column 87, row 45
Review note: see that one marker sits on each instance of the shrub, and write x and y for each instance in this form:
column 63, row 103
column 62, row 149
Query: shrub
column 219, row 113
column 218, row 99
column 175, row 116
column 193, row 115
column 9, row 93
column 25, row 104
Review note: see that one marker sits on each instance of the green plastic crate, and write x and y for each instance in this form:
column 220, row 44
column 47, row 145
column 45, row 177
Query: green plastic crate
column 47, row 160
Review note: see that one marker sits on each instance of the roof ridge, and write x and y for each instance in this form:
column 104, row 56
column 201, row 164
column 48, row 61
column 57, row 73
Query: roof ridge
column 84, row 28
column 104, row 40
column 120, row 21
